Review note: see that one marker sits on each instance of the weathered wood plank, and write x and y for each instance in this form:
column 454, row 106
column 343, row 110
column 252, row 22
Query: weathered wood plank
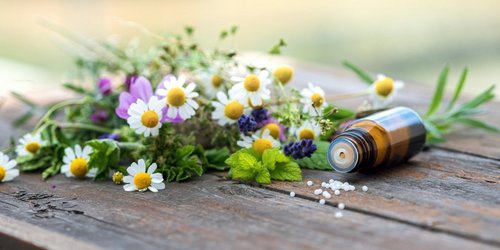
column 204, row 213
column 447, row 192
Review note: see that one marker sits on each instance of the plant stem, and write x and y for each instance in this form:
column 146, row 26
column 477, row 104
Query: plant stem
column 85, row 126
column 54, row 108
column 129, row 146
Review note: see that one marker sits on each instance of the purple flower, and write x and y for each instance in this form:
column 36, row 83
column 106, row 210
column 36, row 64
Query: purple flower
column 105, row 87
column 260, row 115
column 129, row 80
column 112, row 136
column 246, row 123
column 300, row 149
column 99, row 116
column 140, row 89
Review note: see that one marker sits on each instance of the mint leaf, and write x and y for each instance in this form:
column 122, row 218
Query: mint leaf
column 319, row 159
column 271, row 156
column 262, row 174
column 289, row 171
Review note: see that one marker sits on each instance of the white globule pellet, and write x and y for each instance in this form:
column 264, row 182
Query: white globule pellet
column 318, row 191
column 365, row 188
column 292, row 194
column 337, row 192
column 323, row 184
column 341, row 206
column 338, row 214
column 309, row 183
column 331, row 181
column 322, row 201
column 327, row 195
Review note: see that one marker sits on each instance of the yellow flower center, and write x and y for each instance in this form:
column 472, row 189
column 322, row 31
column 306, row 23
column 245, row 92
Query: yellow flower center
column 274, row 130
column 384, row 87
column 176, row 97
column 251, row 83
column 150, row 119
column 32, row 147
column 261, row 144
column 142, row 180
column 78, row 167
column 306, row 133
column 233, row 110
column 317, row 100
column 283, row 73
column 216, row 81
column 2, row 173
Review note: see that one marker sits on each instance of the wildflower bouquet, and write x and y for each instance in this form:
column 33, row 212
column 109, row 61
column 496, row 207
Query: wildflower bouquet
column 174, row 111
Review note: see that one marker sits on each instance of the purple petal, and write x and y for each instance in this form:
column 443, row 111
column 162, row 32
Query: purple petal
column 141, row 89
column 126, row 100
column 177, row 119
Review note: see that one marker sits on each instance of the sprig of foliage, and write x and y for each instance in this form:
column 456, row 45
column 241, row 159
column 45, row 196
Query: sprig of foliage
column 363, row 75
column 440, row 123
column 272, row 164
column 276, row 49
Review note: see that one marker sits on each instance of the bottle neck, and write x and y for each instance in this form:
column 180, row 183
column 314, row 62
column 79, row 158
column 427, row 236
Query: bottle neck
column 352, row 151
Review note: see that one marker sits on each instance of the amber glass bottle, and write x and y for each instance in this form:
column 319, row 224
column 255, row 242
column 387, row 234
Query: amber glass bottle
column 382, row 139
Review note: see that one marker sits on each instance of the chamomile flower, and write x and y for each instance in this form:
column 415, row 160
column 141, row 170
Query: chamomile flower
column 29, row 144
column 76, row 162
column 313, row 98
column 178, row 98
column 7, row 171
column 259, row 143
column 383, row 91
column 252, row 88
column 227, row 110
column 283, row 74
column 308, row 130
column 145, row 118
column 141, row 178
column 214, row 81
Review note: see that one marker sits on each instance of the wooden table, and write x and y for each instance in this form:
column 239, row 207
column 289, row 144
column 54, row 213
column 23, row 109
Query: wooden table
column 445, row 198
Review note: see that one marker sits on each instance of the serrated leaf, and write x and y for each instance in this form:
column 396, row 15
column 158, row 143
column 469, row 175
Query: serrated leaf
column 262, row 175
column 216, row 158
column 105, row 156
column 272, row 156
column 439, row 92
column 185, row 151
column 289, row 171
column 364, row 76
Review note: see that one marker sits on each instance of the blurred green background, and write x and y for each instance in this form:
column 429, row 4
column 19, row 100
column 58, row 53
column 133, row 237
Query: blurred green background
column 410, row 40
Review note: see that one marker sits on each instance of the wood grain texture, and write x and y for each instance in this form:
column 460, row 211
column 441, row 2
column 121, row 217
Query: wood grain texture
column 205, row 213
column 447, row 192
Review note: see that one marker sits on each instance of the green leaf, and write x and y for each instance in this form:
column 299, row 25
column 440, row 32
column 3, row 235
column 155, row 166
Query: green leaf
column 233, row 29
column 272, row 156
column 23, row 119
column 51, row 171
column 478, row 124
column 484, row 97
column 438, row 93
column 359, row 72
column 458, row 89
column 262, row 174
column 105, row 156
column 185, row 151
column 189, row 30
column 276, row 49
column 216, row 158
column 289, row 171
column 23, row 99
column 223, row 34
column 318, row 159
column 341, row 114
column 432, row 130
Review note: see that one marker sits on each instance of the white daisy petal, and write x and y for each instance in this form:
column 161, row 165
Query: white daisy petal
column 129, row 187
